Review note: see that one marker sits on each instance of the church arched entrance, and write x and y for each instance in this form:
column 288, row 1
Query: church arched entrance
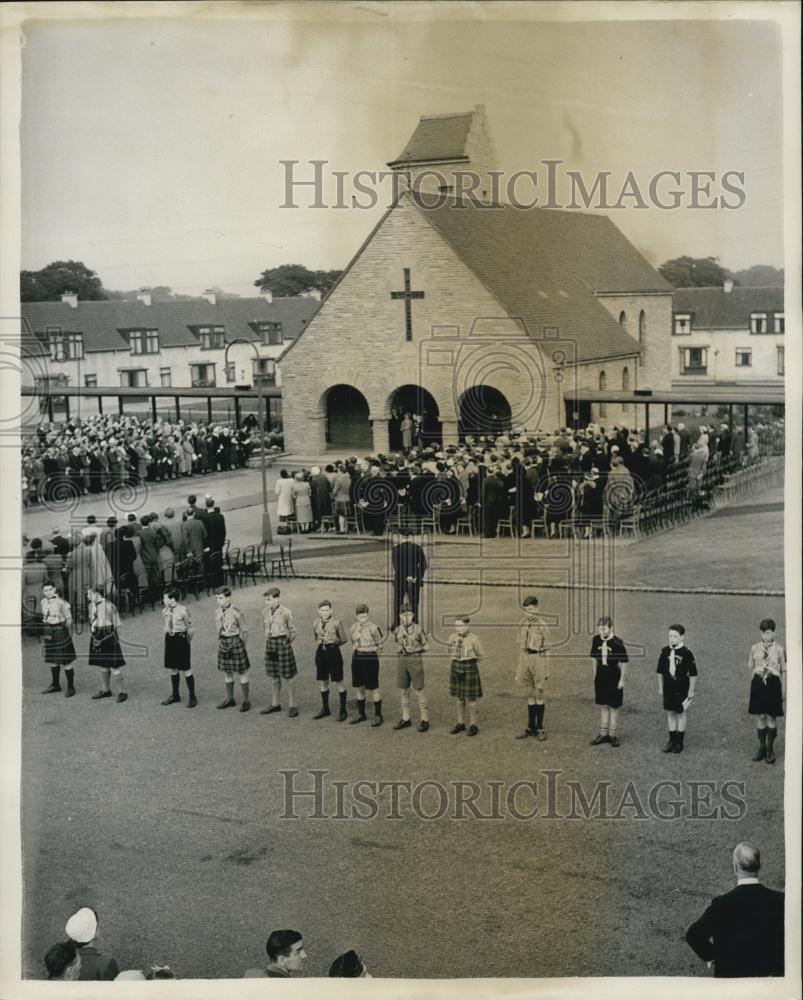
column 483, row 410
column 347, row 423
column 415, row 401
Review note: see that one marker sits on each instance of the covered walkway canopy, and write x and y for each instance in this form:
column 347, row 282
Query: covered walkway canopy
column 232, row 395
column 722, row 395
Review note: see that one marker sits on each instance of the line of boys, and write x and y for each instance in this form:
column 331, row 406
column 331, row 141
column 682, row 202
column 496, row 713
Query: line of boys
column 677, row 667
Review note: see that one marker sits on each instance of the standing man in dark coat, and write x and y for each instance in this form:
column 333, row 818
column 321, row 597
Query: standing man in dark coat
column 742, row 932
column 321, row 496
column 195, row 537
column 409, row 569
column 215, row 540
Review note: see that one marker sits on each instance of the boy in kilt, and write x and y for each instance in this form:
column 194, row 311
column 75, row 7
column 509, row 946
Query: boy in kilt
column 610, row 667
column 767, row 688
column 533, row 667
column 57, row 644
column 104, row 645
column 677, row 677
column 178, row 636
column 329, row 636
column 465, row 684
column 232, row 656
column 367, row 639
column 280, row 660
column 413, row 643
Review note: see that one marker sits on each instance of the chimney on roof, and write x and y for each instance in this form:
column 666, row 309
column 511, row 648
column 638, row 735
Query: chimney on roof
column 210, row 297
column 728, row 286
column 70, row 298
column 312, row 293
column 144, row 297
column 268, row 297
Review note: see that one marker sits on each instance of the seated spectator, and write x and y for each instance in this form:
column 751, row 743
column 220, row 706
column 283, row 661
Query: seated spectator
column 285, row 950
column 349, row 965
column 63, row 961
column 82, row 929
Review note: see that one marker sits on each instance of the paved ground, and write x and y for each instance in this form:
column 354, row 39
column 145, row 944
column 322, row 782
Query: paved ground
column 169, row 820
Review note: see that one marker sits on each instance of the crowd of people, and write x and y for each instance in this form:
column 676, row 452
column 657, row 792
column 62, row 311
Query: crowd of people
column 97, row 453
column 595, row 475
column 125, row 560
column 78, row 958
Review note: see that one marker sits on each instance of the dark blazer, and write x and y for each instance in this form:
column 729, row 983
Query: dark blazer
column 215, row 530
column 195, row 535
column 95, row 965
column 742, row 932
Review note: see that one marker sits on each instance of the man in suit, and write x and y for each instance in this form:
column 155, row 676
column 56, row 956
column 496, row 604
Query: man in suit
column 409, row 568
column 742, row 932
column 215, row 524
column 194, row 537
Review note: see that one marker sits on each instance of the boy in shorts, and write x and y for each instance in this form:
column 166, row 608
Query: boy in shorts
column 329, row 636
column 533, row 668
column 367, row 639
column 610, row 667
column 413, row 643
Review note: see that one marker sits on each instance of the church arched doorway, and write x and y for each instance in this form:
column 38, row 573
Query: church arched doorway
column 415, row 401
column 483, row 410
column 347, row 423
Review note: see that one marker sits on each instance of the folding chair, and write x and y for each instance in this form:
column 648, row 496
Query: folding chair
column 505, row 524
column 233, row 567
column 290, row 569
column 277, row 565
column 249, row 563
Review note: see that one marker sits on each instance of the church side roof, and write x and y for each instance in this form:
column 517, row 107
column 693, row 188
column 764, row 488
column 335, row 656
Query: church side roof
column 715, row 308
column 437, row 137
column 101, row 322
column 545, row 266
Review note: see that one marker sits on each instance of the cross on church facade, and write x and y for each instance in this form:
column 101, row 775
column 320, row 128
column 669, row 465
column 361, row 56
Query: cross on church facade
column 408, row 296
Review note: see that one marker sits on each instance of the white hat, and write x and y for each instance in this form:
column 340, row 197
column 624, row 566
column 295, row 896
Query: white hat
column 82, row 926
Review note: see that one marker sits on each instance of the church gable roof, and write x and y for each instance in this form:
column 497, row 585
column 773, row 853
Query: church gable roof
column 545, row 266
column 437, row 137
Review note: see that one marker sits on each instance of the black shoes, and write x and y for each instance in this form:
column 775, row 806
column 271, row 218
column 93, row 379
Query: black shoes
column 293, row 713
column 614, row 741
column 358, row 718
column 473, row 730
column 322, row 713
column 171, row 700
column 527, row 732
column 343, row 715
column 403, row 724
column 52, row 689
column 601, row 739
column 458, row 728
column 101, row 694
column 245, row 706
column 228, row 703
column 270, row 710
column 121, row 697
column 377, row 720
column 423, row 726
column 192, row 702
column 70, row 692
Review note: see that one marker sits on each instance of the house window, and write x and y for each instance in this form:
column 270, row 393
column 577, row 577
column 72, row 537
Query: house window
column 758, row 322
column 90, row 381
column 744, row 357
column 144, row 341
column 203, row 376
column 213, row 338
column 264, row 370
column 165, row 377
column 603, row 384
column 681, row 326
column 642, row 326
column 693, row 360
column 781, row 370
column 778, row 321
column 65, row 346
column 622, row 318
column 134, row 378
column 229, row 371
column 271, row 333
column 625, row 388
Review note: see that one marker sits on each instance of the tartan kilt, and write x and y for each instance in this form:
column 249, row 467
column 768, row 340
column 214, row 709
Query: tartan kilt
column 177, row 651
column 232, row 656
column 464, row 680
column 59, row 649
column 280, row 660
column 104, row 649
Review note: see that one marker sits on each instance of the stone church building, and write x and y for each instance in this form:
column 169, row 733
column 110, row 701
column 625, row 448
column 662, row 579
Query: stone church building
column 476, row 316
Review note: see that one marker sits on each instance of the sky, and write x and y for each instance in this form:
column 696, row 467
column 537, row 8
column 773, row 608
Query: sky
column 151, row 148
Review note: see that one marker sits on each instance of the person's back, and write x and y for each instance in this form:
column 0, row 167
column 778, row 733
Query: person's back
column 95, row 965
column 746, row 926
